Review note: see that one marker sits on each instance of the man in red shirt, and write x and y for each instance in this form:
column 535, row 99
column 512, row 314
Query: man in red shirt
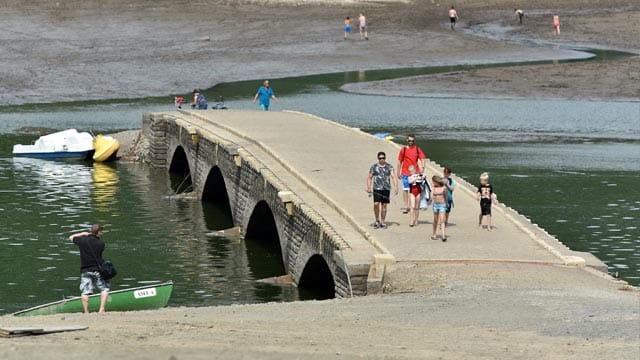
column 409, row 155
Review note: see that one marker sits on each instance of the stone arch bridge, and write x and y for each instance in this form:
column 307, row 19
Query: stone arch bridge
column 299, row 181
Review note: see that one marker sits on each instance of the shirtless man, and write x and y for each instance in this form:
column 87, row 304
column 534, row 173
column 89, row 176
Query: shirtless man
column 363, row 27
column 453, row 17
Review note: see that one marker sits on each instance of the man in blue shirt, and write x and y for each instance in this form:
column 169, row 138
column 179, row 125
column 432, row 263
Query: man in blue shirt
column 265, row 93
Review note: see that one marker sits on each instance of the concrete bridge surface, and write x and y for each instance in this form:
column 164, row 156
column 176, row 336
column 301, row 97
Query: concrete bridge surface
column 322, row 166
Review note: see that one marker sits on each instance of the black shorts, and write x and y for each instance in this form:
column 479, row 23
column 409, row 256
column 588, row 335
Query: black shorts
column 381, row 196
column 453, row 20
column 485, row 206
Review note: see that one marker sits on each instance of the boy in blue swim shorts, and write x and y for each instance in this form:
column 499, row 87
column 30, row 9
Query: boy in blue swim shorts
column 347, row 27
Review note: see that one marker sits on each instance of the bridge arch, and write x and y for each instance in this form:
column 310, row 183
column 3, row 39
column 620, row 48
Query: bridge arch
column 180, row 172
column 263, row 243
column 215, row 199
column 317, row 278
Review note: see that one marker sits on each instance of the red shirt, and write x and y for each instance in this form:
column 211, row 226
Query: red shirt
column 409, row 156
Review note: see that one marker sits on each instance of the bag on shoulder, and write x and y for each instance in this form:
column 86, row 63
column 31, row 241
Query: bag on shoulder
column 107, row 270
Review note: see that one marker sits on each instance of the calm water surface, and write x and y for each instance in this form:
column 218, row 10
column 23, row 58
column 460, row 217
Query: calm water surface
column 570, row 166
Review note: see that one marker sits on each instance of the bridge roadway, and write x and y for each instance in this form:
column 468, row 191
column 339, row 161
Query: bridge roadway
column 326, row 165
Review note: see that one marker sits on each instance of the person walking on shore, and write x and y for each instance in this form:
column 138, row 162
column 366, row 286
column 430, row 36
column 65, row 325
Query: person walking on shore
column 265, row 93
column 439, row 197
column 556, row 24
column 450, row 185
column 519, row 15
column 409, row 155
column 379, row 182
column 362, row 25
column 453, row 17
column 347, row 27
column 91, row 248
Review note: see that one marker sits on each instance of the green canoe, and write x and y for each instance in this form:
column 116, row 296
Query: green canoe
column 140, row 298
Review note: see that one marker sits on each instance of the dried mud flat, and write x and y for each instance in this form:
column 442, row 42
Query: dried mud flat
column 598, row 80
column 71, row 50
column 80, row 50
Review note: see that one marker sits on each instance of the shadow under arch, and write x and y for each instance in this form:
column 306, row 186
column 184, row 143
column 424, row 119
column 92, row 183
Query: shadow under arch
column 263, row 243
column 316, row 281
column 180, row 173
column 215, row 201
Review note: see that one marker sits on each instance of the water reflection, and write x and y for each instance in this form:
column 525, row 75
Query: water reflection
column 52, row 189
column 105, row 185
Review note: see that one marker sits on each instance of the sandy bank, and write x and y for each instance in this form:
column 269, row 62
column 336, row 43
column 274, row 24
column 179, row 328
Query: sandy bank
column 459, row 311
column 598, row 80
column 79, row 50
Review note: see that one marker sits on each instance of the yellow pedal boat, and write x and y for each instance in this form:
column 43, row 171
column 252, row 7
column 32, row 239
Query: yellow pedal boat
column 106, row 148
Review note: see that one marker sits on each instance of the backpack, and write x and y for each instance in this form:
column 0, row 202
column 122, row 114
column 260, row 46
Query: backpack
column 419, row 151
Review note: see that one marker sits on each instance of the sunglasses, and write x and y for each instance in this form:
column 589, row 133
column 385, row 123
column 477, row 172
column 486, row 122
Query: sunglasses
column 381, row 158
column 410, row 141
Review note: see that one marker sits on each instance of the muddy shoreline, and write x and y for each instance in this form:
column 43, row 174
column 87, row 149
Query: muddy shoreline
column 83, row 50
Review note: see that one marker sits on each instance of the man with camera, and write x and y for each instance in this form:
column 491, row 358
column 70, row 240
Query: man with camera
column 91, row 248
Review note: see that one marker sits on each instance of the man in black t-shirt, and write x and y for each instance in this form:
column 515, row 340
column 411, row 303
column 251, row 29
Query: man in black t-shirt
column 91, row 248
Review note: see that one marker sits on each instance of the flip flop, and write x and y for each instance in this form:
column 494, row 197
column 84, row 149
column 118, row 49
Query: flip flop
column 434, row 237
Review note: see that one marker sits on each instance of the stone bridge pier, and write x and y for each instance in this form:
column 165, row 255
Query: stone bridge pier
column 262, row 197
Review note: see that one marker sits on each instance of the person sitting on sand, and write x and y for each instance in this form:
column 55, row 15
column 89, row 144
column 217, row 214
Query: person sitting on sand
column 199, row 101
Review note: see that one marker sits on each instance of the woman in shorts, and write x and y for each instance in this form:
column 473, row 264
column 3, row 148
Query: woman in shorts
column 439, row 198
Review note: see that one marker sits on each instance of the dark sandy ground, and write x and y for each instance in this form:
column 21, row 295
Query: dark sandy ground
column 598, row 80
column 76, row 50
column 73, row 50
